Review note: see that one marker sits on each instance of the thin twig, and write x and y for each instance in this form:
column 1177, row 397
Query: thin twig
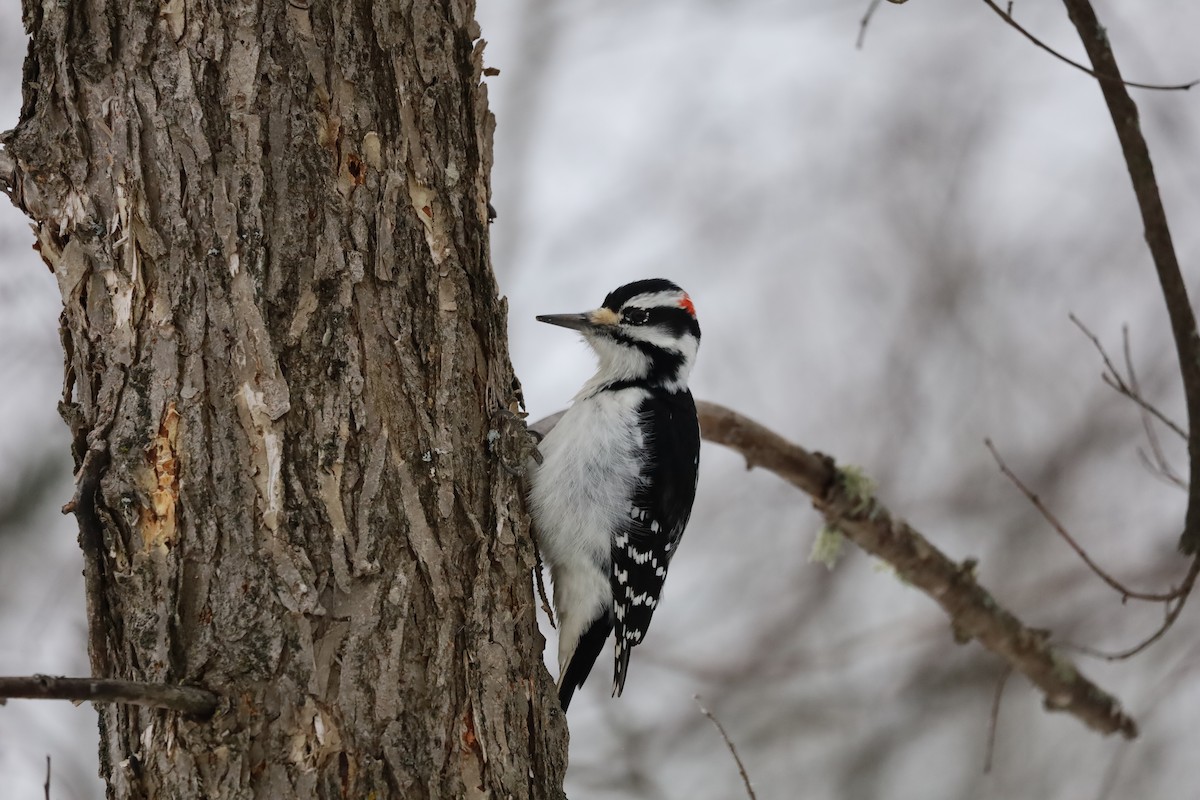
column 46, row 785
column 994, row 718
column 1170, row 615
column 541, row 586
column 540, row 429
column 1113, row 77
column 1115, row 381
column 1059, row 528
column 187, row 699
column 1129, row 388
column 1160, row 467
column 728, row 743
column 864, row 22
column 1124, row 113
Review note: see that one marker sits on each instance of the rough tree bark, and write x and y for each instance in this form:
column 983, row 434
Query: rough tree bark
column 284, row 344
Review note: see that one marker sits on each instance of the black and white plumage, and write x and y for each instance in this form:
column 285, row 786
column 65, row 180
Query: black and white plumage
column 614, row 491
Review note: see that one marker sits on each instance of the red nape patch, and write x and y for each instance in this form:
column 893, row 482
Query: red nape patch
column 686, row 304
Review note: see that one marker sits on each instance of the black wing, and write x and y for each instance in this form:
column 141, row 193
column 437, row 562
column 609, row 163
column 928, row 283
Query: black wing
column 659, row 511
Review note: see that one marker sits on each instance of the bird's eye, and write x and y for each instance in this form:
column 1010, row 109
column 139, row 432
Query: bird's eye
column 636, row 316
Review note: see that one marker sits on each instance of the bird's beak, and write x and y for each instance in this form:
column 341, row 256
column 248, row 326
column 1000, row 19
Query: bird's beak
column 589, row 321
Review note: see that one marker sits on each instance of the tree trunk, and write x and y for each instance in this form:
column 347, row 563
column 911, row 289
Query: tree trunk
column 284, row 346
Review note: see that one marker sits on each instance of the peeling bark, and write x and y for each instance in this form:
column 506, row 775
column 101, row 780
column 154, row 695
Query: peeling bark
column 284, row 344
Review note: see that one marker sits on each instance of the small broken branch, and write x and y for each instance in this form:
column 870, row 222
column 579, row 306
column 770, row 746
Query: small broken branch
column 91, row 541
column 865, row 21
column 541, row 585
column 994, row 719
column 189, row 700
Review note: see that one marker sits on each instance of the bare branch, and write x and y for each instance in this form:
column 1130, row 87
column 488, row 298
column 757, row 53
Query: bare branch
column 187, row 699
column 994, row 718
column 1128, row 389
column 1109, row 77
column 864, row 22
column 728, row 743
column 974, row 613
column 1037, row 503
column 1170, row 615
column 1160, row 466
column 1157, row 465
column 1124, row 114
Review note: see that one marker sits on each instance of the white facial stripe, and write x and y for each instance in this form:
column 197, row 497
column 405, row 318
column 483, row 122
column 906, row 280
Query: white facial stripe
column 655, row 300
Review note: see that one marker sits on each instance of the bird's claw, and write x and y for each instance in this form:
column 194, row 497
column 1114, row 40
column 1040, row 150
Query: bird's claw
column 512, row 443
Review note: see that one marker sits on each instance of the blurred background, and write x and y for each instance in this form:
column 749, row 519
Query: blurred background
column 883, row 245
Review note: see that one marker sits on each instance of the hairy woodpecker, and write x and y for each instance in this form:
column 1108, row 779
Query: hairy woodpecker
column 615, row 486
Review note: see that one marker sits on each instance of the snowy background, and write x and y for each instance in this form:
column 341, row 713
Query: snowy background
column 883, row 246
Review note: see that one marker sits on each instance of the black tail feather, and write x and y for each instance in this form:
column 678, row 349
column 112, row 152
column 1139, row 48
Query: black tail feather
column 621, row 663
column 584, row 657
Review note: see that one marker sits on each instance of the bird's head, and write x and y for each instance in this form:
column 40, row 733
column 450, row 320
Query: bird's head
column 644, row 331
